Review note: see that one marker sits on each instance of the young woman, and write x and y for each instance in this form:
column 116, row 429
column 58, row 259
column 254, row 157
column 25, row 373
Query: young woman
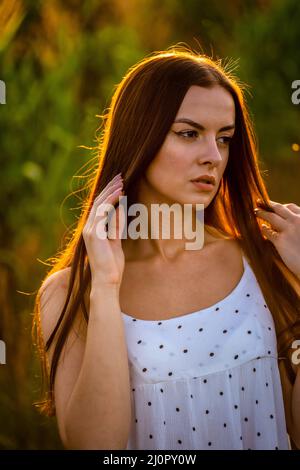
column 144, row 343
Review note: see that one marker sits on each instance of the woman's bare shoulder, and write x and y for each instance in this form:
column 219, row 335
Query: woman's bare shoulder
column 52, row 298
column 53, row 295
column 56, row 280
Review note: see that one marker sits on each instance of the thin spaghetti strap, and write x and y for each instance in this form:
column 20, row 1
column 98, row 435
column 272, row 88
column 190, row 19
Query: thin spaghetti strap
column 245, row 261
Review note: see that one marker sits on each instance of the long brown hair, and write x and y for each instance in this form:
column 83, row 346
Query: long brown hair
column 142, row 111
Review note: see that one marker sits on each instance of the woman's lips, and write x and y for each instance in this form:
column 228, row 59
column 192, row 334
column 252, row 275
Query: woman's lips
column 200, row 185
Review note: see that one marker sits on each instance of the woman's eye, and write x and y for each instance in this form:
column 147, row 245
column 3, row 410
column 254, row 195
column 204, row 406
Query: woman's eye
column 226, row 140
column 187, row 134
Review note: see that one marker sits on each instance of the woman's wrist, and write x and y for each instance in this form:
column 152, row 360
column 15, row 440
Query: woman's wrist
column 99, row 287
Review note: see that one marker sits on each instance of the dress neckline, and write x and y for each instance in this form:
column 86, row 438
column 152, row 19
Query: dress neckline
column 233, row 294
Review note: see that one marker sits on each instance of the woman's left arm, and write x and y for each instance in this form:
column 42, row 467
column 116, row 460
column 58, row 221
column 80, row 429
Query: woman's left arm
column 284, row 233
column 295, row 412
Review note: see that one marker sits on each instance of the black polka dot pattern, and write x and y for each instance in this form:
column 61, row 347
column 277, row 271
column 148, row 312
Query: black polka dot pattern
column 212, row 370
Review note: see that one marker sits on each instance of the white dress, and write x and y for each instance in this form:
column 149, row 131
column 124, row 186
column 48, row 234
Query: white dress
column 208, row 379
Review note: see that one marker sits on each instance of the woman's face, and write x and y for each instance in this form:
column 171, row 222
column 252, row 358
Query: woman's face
column 190, row 151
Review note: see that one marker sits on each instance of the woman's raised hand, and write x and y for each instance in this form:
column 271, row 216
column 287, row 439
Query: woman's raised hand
column 106, row 256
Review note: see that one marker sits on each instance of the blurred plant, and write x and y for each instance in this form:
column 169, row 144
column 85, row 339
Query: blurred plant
column 270, row 63
column 11, row 17
column 48, row 58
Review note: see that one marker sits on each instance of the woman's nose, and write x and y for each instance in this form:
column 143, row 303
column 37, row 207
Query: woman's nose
column 209, row 151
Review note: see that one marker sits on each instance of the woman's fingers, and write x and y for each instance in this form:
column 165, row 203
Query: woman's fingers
column 100, row 199
column 117, row 223
column 106, row 257
column 107, row 191
column 99, row 206
column 105, row 210
column 274, row 219
column 280, row 209
column 293, row 207
column 103, row 207
column 283, row 214
column 107, row 188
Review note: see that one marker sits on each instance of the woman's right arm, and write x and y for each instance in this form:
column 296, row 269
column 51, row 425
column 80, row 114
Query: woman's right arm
column 92, row 385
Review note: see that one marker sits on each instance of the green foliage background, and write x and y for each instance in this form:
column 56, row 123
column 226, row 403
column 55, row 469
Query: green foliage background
column 60, row 61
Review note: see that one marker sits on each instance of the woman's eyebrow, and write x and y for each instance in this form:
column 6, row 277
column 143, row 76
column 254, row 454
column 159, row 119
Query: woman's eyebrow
column 200, row 127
